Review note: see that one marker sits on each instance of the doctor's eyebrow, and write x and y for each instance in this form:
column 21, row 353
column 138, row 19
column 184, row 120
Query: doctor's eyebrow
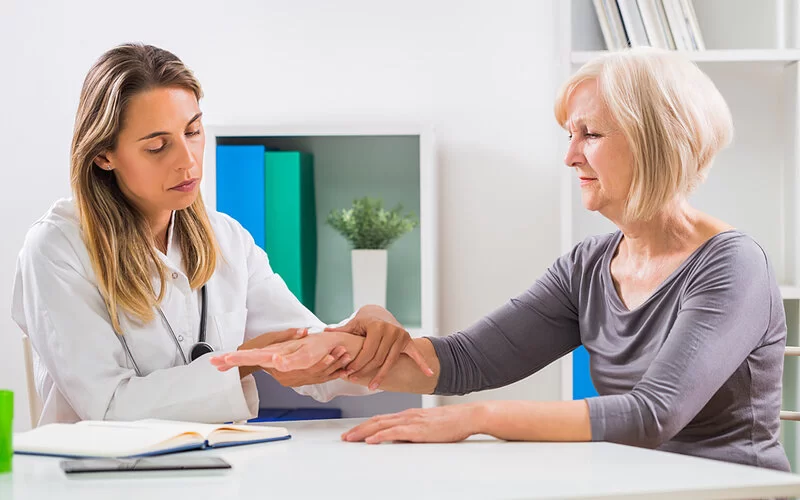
column 156, row 134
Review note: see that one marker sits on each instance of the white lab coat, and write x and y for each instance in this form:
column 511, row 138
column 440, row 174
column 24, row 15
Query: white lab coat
column 81, row 369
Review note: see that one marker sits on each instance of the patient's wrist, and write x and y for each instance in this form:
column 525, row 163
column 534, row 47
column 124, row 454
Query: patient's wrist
column 349, row 341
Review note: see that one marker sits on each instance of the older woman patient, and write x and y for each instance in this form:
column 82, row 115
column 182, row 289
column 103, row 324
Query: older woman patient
column 680, row 313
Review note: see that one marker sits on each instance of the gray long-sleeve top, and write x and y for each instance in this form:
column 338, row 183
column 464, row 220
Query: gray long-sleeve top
column 695, row 369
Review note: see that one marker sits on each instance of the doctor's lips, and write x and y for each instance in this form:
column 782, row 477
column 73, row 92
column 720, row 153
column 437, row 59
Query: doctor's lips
column 186, row 186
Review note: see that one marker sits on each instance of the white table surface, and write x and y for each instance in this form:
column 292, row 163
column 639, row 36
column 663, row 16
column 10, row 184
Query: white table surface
column 316, row 464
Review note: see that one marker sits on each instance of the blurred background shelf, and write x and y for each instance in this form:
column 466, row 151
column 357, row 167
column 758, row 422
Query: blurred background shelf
column 394, row 163
column 733, row 55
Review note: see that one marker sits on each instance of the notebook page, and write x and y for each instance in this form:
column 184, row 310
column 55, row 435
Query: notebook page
column 219, row 433
column 214, row 433
column 235, row 433
column 108, row 439
column 174, row 426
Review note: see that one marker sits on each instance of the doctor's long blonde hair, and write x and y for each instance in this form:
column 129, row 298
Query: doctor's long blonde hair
column 118, row 237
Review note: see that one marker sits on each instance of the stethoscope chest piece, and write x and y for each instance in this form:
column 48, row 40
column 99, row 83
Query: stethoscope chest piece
column 200, row 349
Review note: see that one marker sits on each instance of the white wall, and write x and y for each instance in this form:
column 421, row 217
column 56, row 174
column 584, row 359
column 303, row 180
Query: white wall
column 481, row 72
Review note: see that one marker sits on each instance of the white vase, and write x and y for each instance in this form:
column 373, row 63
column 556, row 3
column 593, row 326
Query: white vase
column 369, row 277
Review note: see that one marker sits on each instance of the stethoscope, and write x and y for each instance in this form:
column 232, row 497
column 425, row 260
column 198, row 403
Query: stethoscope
column 198, row 349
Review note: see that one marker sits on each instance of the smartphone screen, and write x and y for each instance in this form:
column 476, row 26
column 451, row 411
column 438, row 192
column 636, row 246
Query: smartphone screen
column 142, row 464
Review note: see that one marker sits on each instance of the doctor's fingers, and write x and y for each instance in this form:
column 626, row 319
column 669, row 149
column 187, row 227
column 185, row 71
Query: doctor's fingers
column 414, row 353
column 368, row 351
column 340, row 359
column 354, row 326
column 336, row 369
column 383, row 368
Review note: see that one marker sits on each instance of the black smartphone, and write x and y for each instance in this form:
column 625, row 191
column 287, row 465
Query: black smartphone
column 142, row 464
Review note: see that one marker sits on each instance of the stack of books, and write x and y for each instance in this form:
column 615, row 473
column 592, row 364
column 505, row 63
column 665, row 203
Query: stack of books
column 271, row 194
column 666, row 24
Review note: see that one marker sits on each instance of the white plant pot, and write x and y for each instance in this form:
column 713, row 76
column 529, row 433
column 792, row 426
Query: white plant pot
column 369, row 277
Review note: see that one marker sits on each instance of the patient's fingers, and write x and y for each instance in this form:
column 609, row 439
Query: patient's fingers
column 299, row 360
column 353, row 326
column 250, row 357
column 398, row 432
column 374, row 425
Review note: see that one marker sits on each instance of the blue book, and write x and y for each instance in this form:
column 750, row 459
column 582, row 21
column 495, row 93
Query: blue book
column 582, row 386
column 142, row 438
column 285, row 414
column 240, row 187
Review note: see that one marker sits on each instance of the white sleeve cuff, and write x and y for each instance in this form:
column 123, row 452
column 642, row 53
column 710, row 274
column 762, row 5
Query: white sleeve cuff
column 241, row 394
column 329, row 390
column 250, row 392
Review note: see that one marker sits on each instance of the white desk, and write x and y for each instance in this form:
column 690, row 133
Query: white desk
column 316, row 464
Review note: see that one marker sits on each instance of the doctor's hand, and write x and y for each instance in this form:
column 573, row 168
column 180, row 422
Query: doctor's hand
column 385, row 340
column 446, row 424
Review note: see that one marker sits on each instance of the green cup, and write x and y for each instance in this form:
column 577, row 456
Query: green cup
column 6, row 421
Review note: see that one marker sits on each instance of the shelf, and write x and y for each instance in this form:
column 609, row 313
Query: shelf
column 753, row 55
column 345, row 159
column 790, row 292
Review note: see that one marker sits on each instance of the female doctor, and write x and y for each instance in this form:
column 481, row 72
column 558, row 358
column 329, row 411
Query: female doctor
column 125, row 289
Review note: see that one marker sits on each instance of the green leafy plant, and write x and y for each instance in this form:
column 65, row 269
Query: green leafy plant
column 367, row 225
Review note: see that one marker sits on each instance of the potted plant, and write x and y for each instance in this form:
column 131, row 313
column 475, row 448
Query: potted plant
column 370, row 229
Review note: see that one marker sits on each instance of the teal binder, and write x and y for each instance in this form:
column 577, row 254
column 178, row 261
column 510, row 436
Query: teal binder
column 290, row 222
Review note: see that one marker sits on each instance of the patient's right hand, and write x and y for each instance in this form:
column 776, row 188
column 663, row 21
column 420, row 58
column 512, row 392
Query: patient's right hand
column 309, row 360
column 331, row 367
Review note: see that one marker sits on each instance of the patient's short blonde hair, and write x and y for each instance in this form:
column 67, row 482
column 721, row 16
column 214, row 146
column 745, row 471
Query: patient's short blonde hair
column 671, row 113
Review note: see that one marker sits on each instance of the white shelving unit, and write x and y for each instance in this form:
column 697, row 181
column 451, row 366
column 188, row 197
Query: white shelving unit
column 428, row 218
column 752, row 57
column 743, row 55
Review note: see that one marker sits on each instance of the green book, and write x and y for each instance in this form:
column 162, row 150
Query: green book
column 290, row 222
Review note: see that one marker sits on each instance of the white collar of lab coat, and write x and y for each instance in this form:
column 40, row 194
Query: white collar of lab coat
column 171, row 239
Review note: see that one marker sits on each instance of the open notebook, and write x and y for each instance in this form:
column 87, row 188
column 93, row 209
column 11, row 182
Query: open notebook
column 90, row 438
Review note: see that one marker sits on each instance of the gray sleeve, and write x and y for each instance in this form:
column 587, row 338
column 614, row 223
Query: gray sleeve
column 518, row 339
column 723, row 317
